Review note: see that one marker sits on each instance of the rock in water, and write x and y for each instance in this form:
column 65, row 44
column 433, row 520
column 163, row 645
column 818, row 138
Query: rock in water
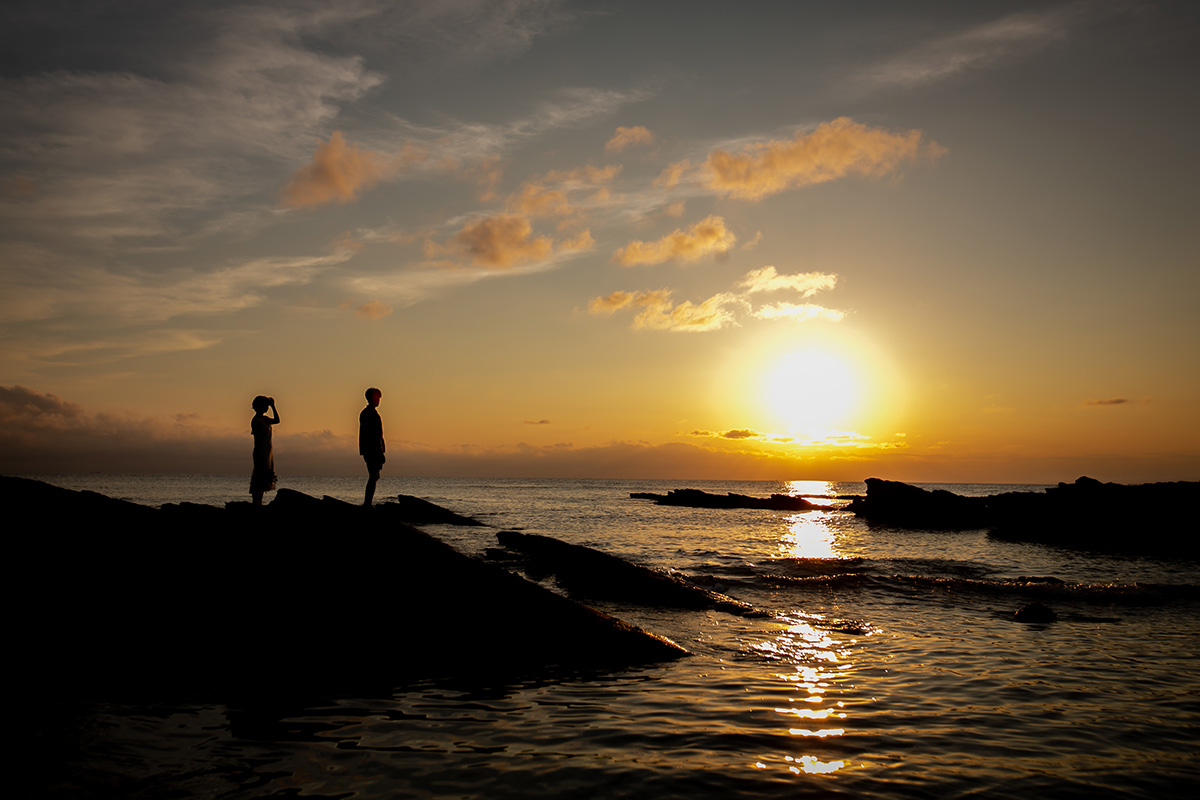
column 313, row 594
column 592, row 574
column 1035, row 612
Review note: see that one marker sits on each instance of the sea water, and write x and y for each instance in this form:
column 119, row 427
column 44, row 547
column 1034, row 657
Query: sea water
column 889, row 666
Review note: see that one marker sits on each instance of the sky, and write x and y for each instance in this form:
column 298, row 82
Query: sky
column 923, row 241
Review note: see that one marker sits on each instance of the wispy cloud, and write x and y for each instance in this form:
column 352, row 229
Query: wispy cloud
column 990, row 45
column 1115, row 401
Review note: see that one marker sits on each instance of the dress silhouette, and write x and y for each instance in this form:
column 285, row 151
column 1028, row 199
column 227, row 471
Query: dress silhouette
column 262, row 479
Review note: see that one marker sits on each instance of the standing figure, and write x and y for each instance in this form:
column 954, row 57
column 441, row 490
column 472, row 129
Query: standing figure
column 370, row 442
column 263, row 477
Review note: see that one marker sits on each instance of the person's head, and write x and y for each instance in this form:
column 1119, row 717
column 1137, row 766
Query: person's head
column 261, row 404
column 374, row 396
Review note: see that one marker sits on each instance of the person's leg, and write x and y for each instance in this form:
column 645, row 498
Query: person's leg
column 372, row 479
column 257, row 498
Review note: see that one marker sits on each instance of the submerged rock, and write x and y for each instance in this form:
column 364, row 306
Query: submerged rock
column 694, row 498
column 304, row 592
column 1035, row 612
column 592, row 574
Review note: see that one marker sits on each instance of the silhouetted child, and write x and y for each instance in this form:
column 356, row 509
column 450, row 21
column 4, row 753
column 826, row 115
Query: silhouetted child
column 263, row 477
column 370, row 442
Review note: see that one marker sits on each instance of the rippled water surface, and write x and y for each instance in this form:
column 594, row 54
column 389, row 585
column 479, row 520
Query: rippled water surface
column 890, row 666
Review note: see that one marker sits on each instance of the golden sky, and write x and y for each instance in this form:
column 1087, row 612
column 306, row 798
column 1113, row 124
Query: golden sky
column 935, row 241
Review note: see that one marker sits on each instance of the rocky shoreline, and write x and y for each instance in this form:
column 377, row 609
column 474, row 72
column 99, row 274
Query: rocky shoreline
column 304, row 593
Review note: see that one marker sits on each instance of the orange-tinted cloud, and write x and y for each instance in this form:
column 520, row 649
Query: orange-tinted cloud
column 583, row 241
column 538, row 200
column 339, row 171
column 834, row 150
column 659, row 313
column 626, row 137
column 670, row 176
column 495, row 242
column 709, row 235
column 548, row 195
column 373, row 309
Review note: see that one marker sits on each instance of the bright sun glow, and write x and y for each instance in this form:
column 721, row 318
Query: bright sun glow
column 811, row 393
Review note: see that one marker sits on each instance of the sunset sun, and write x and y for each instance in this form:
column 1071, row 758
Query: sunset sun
column 811, row 392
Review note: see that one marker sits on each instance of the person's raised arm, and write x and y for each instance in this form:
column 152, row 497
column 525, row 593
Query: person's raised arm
column 274, row 411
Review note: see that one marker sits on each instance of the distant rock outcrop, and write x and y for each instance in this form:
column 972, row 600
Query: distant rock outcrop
column 304, row 593
column 1150, row 518
column 595, row 575
column 695, row 498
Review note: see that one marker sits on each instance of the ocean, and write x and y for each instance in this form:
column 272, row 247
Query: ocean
column 889, row 666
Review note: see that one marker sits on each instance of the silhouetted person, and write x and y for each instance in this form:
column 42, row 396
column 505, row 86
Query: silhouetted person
column 370, row 442
column 263, row 477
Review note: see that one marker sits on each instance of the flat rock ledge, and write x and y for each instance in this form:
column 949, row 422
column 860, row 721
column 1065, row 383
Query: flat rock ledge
column 695, row 498
column 304, row 593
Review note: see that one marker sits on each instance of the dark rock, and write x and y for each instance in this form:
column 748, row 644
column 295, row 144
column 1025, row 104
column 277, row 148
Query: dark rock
column 1035, row 612
column 902, row 505
column 1152, row 518
column 592, row 574
column 694, row 498
column 299, row 593
column 416, row 511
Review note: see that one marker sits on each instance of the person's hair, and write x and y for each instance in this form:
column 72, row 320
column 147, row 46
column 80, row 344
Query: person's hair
column 260, row 403
column 372, row 391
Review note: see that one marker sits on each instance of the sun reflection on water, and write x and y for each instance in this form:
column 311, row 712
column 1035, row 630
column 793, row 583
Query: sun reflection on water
column 810, row 533
column 816, row 663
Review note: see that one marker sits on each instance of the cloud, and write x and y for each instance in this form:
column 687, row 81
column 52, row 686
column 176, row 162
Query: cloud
column 338, row 172
column 670, row 176
column 495, row 242
column 628, row 137
column 471, row 31
column 537, row 422
column 766, row 279
column 802, row 312
column 992, row 44
column 708, row 236
column 753, row 243
column 538, row 200
column 373, row 309
column 547, row 195
column 833, row 150
column 658, row 311
column 1115, row 401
